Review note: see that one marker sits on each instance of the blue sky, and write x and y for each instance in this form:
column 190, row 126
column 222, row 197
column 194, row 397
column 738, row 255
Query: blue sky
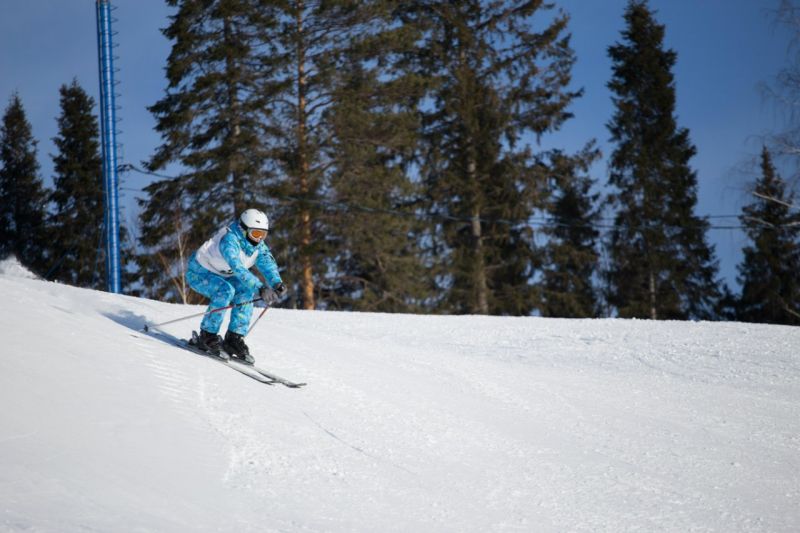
column 726, row 49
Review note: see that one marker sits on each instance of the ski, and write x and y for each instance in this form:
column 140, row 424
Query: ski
column 266, row 373
column 277, row 379
column 186, row 345
column 251, row 371
column 236, row 365
column 234, row 360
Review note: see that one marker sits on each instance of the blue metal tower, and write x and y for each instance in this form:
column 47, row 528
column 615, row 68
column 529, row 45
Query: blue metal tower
column 108, row 130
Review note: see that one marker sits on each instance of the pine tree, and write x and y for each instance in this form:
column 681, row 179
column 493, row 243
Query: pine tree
column 661, row 266
column 374, row 250
column 311, row 41
column 494, row 82
column 78, row 193
column 769, row 271
column 212, row 122
column 250, row 84
column 571, row 252
column 784, row 91
column 23, row 199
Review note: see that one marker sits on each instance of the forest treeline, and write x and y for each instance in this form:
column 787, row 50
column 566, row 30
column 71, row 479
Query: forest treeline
column 395, row 147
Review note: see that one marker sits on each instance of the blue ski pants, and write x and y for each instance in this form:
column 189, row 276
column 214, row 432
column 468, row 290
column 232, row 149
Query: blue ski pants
column 221, row 291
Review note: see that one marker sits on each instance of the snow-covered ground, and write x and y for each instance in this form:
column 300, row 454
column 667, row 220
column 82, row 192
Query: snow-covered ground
column 408, row 423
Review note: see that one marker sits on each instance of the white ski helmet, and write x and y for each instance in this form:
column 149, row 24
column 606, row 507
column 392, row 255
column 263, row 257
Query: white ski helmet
column 255, row 225
column 254, row 219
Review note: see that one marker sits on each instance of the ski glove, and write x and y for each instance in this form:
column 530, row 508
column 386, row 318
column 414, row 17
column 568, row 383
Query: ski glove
column 271, row 295
column 280, row 289
column 267, row 294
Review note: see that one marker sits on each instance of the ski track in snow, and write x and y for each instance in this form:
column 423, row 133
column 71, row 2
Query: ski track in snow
column 408, row 423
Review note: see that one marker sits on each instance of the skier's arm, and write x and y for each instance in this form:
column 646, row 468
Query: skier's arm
column 230, row 250
column 267, row 265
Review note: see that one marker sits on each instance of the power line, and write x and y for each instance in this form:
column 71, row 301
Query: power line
column 533, row 221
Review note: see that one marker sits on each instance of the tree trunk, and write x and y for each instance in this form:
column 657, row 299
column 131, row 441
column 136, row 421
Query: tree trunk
column 307, row 280
column 481, row 288
column 234, row 128
column 653, row 310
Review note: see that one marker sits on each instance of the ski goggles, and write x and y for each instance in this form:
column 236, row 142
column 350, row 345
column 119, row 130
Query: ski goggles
column 257, row 234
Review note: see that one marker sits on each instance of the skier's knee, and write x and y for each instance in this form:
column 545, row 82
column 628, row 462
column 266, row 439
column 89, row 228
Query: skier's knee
column 226, row 292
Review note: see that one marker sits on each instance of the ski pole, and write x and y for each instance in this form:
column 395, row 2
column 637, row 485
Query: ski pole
column 256, row 321
column 217, row 310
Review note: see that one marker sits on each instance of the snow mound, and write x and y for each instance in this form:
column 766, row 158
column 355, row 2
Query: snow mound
column 408, row 423
column 11, row 266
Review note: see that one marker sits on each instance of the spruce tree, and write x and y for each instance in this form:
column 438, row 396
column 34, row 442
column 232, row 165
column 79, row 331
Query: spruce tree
column 245, row 113
column 310, row 43
column 661, row 266
column 23, row 199
column 571, row 252
column 769, row 271
column 212, row 123
column 78, row 193
column 375, row 257
column 498, row 75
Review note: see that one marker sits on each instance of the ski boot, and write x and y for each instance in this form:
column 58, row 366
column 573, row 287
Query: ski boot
column 209, row 343
column 235, row 346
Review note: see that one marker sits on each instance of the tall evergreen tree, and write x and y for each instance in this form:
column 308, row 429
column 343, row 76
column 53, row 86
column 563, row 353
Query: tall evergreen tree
column 23, row 198
column 769, row 271
column 375, row 258
column 571, row 252
column 499, row 73
column 245, row 112
column 310, row 43
column 785, row 89
column 78, row 192
column 212, row 122
column 661, row 265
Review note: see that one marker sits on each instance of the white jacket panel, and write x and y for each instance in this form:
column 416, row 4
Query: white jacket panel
column 211, row 258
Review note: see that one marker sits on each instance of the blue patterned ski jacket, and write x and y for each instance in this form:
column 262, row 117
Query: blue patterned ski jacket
column 232, row 254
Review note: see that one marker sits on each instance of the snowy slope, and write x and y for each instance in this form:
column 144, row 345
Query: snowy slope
column 409, row 423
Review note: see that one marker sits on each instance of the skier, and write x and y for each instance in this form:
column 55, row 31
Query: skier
column 219, row 270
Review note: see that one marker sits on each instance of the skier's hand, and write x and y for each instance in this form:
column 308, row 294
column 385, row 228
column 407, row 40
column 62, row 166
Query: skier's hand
column 267, row 294
column 280, row 289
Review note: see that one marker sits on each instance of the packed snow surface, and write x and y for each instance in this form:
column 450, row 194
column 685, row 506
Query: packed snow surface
column 11, row 267
column 408, row 423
